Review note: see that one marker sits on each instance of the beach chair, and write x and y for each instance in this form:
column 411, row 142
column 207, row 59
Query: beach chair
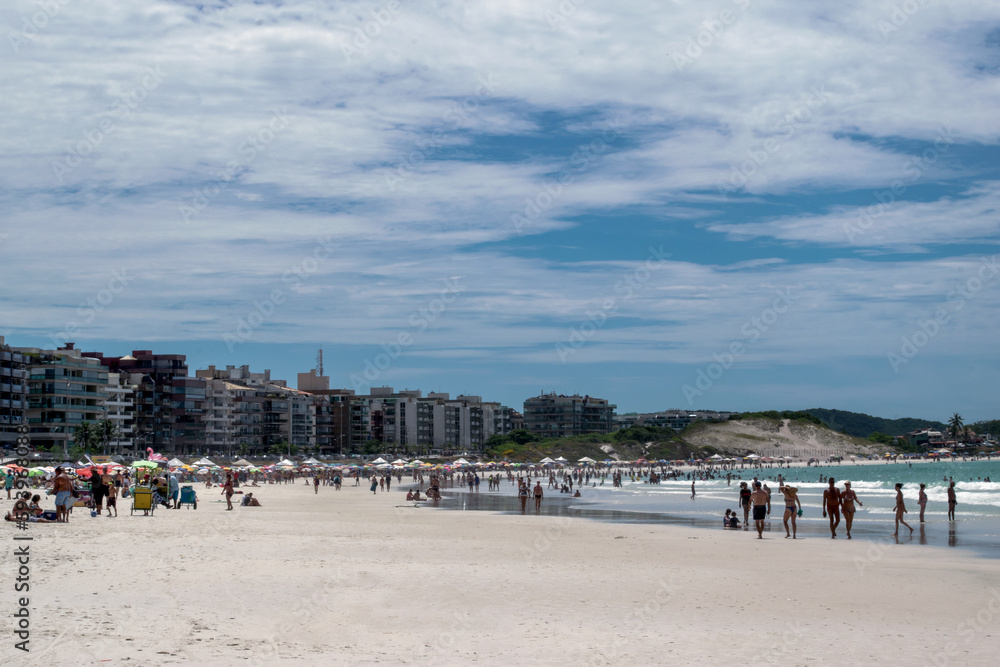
column 142, row 499
column 189, row 497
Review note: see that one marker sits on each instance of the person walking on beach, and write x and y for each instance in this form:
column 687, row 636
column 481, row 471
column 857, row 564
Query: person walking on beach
column 847, row 499
column 952, row 500
column 745, row 504
column 792, row 506
column 8, row 482
column 315, row 484
column 831, row 506
column 761, row 508
column 538, row 496
column 692, row 488
column 374, row 486
column 900, row 510
column 522, row 495
column 227, row 488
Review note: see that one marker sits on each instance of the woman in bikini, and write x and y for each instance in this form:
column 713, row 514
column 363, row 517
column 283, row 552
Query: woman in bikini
column 792, row 507
column 847, row 500
column 900, row 510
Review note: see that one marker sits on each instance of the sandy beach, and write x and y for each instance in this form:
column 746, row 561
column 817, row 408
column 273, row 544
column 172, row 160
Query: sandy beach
column 351, row 578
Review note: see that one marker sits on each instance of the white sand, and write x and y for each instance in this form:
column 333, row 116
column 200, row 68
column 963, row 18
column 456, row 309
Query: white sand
column 348, row 578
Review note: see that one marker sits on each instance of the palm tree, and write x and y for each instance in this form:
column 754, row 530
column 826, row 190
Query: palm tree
column 106, row 431
column 955, row 426
column 85, row 435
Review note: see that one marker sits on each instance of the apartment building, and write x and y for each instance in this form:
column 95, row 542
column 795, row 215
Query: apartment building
column 560, row 416
column 169, row 405
column 435, row 422
column 674, row 419
column 120, row 411
column 13, row 393
column 64, row 390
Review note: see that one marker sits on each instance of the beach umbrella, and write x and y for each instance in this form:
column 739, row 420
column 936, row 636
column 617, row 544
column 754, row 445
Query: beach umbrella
column 144, row 464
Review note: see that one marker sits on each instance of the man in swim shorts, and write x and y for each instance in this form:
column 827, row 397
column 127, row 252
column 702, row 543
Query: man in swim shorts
column 64, row 495
column 761, row 508
column 831, row 506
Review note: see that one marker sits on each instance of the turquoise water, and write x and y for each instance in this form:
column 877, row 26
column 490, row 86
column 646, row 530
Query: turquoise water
column 978, row 510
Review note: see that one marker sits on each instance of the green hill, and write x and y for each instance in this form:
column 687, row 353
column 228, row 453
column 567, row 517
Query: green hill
column 861, row 425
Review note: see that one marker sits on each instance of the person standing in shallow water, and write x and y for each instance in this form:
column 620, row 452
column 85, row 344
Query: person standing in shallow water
column 922, row 501
column 952, row 500
column 831, row 506
column 792, row 506
column 847, row 498
column 900, row 510
column 761, row 508
column 538, row 496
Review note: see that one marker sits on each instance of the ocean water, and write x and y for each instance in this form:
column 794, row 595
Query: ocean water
column 978, row 510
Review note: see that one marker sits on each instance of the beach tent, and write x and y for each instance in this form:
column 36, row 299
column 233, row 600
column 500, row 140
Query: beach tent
column 285, row 463
column 586, row 459
column 546, row 460
column 715, row 457
column 243, row 463
column 399, row 462
column 560, row 459
column 378, row 461
column 310, row 462
column 460, row 462
column 752, row 456
column 175, row 463
column 204, row 462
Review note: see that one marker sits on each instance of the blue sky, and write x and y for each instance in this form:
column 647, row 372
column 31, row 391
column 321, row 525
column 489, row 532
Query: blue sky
column 779, row 207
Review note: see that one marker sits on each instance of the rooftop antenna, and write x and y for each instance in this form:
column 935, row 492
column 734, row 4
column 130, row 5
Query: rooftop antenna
column 319, row 363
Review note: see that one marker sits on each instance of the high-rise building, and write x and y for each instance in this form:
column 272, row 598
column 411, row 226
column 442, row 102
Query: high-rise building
column 559, row 416
column 13, row 393
column 65, row 389
column 169, row 405
column 120, row 412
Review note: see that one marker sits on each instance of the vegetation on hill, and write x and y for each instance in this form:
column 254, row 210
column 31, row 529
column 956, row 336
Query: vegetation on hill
column 861, row 425
column 627, row 444
column 991, row 426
